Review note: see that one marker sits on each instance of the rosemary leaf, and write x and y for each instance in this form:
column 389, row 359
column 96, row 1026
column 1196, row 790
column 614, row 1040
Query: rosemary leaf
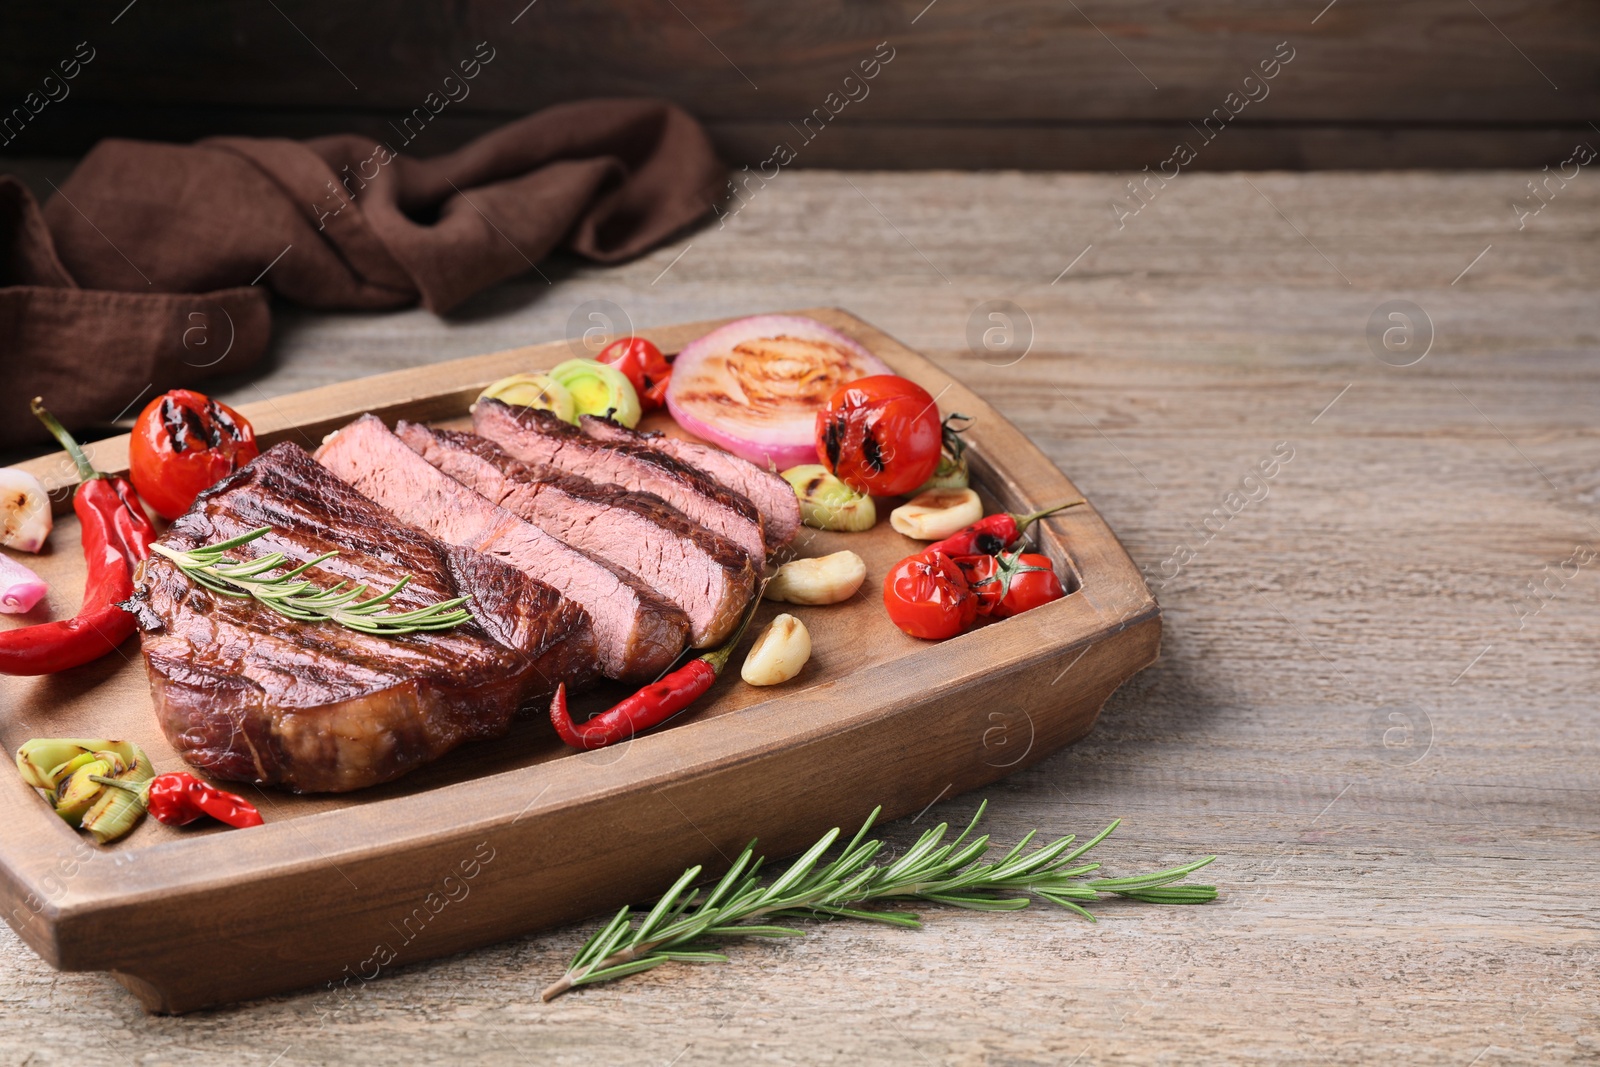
column 296, row 599
column 931, row 870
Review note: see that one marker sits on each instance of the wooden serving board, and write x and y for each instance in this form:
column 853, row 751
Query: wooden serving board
column 505, row 837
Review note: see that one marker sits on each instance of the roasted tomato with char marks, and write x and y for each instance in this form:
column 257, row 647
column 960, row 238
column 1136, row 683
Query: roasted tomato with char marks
column 880, row 435
column 1010, row 583
column 927, row 596
column 184, row 443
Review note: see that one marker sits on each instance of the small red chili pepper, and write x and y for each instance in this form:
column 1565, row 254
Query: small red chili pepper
column 179, row 798
column 116, row 536
column 652, row 705
column 994, row 534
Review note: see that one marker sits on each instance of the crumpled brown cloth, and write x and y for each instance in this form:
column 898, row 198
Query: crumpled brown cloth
column 139, row 275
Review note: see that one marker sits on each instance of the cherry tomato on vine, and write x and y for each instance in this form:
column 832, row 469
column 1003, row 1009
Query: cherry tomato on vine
column 643, row 365
column 983, row 578
column 183, row 443
column 880, row 435
column 927, row 597
column 1022, row 580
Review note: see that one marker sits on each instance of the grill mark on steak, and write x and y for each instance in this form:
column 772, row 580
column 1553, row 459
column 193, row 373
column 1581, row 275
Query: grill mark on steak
column 709, row 577
column 243, row 693
column 773, row 497
column 639, row 632
column 539, row 437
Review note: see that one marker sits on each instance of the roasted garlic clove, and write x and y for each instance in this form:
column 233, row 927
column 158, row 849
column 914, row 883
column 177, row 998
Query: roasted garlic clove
column 821, row 580
column 937, row 513
column 779, row 652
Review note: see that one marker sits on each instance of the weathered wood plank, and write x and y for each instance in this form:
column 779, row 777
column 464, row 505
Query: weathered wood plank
column 967, row 83
column 1375, row 908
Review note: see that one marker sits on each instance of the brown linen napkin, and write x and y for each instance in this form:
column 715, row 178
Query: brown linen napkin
column 139, row 275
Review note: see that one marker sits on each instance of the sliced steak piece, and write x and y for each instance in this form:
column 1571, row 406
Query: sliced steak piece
column 639, row 632
column 244, row 693
column 540, row 437
column 772, row 496
column 709, row 577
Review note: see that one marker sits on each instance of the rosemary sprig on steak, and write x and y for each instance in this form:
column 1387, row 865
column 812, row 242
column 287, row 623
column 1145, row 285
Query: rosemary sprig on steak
column 685, row 919
column 298, row 599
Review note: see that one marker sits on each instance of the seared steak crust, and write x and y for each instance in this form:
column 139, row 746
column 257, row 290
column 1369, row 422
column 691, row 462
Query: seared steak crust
column 772, row 496
column 246, row 694
column 639, row 632
column 539, row 437
column 709, row 577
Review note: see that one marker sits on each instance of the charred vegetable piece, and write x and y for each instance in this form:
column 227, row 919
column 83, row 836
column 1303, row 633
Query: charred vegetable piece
column 184, row 443
column 79, row 790
column 826, row 503
column 936, row 513
column 952, row 471
column 822, row 580
column 87, row 780
column 25, row 519
column 880, row 434
column 927, row 596
column 599, row 389
column 1010, row 583
column 754, row 386
column 538, row 391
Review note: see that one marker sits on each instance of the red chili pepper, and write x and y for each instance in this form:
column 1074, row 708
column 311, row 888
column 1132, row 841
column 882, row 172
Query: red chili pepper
column 650, row 706
column 994, row 534
column 116, row 536
column 179, row 798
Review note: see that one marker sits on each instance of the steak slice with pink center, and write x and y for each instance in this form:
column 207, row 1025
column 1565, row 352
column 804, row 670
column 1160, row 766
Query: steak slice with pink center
column 772, row 496
column 539, row 437
column 709, row 577
column 639, row 632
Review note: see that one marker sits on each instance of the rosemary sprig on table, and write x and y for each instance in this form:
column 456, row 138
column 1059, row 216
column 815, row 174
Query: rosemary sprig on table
column 677, row 928
column 300, row 599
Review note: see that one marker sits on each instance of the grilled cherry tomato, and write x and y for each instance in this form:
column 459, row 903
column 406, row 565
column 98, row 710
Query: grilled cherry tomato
column 183, row 443
column 880, row 435
column 644, row 366
column 1033, row 582
column 927, row 596
column 983, row 578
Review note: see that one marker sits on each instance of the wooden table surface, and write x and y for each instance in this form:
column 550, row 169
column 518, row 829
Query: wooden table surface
column 1376, row 700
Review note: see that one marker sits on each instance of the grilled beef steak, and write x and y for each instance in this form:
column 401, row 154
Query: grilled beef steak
column 639, row 632
column 710, row 578
column 772, row 496
column 244, row 693
column 539, row 437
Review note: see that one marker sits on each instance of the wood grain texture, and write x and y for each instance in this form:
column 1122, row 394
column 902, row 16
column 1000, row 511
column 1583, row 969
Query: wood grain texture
column 972, row 83
column 1375, row 908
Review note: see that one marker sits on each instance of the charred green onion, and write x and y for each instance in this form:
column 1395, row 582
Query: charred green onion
column 826, row 503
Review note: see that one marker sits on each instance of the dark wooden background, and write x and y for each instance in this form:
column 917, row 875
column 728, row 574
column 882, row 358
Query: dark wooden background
column 974, row 83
